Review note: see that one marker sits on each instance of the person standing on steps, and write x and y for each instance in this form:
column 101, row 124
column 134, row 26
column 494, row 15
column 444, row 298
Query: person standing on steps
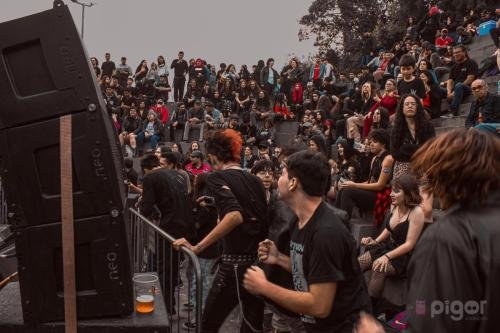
column 180, row 67
column 242, row 208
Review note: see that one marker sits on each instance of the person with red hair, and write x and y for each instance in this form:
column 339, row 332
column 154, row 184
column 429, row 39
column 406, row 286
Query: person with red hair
column 241, row 204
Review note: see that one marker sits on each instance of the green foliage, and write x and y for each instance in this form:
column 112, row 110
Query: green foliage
column 341, row 25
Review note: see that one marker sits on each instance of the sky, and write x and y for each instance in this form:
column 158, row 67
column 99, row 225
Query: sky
column 230, row 31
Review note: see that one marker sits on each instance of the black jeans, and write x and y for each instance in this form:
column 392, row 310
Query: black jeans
column 349, row 197
column 179, row 82
column 223, row 298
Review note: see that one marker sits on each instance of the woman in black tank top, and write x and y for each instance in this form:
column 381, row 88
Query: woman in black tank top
column 390, row 252
column 365, row 195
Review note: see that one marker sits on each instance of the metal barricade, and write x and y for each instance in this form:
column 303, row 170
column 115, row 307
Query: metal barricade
column 152, row 251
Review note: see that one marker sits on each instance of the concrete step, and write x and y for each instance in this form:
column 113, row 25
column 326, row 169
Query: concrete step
column 463, row 109
column 361, row 228
column 492, row 80
column 449, row 122
column 395, row 289
column 441, row 130
column 194, row 135
column 479, row 42
column 482, row 53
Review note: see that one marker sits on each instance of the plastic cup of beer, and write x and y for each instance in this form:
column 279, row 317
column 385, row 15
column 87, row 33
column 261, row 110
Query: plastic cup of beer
column 145, row 287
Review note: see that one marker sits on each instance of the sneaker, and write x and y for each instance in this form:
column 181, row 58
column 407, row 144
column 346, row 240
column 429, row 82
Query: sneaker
column 189, row 326
column 129, row 151
column 447, row 115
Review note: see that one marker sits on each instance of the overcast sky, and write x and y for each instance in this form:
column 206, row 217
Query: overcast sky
column 231, row 31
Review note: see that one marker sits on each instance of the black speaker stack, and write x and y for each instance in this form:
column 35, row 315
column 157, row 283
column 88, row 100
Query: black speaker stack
column 44, row 74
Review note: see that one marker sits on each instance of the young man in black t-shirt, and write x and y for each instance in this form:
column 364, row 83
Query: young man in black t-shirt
column 242, row 208
column 410, row 84
column 330, row 289
column 180, row 67
column 166, row 191
column 108, row 66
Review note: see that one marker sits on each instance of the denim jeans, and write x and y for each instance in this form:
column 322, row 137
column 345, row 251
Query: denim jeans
column 153, row 140
column 460, row 91
column 206, row 276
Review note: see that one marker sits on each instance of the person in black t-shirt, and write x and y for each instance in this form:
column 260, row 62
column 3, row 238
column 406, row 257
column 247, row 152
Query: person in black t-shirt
column 166, row 191
column 461, row 76
column 241, row 204
column 180, row 67
column 330, row 289
column 108, row 66
column 410, row 84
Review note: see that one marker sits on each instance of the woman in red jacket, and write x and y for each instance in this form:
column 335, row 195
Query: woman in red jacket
column 281, row 107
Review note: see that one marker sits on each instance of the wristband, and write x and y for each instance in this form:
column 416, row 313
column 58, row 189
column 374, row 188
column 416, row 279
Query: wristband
column 385, row 255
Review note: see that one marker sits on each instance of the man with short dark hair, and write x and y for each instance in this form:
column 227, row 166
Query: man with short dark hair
column 213, row 117
column 123, row 72
column 461, row 76
column 330, row 289
column 111, row 101
column 108, row 66
column 131, row 126
column 410, row 84
column 197, row 166
column 443, row 41
column 166, row 191
column 195, row 119
column 180, row 67
column 178, row 121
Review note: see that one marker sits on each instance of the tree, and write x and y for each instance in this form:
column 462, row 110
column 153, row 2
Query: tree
column 340, row 25
column 347, row 26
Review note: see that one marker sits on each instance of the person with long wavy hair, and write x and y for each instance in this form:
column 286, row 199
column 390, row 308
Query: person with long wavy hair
column 141, row 71
column 242, row 208
column 411, row 130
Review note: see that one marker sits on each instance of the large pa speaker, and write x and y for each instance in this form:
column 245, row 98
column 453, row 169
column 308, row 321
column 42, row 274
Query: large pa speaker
column 45, row 74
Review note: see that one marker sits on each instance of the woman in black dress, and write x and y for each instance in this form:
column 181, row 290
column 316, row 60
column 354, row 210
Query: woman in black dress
column 390, row 252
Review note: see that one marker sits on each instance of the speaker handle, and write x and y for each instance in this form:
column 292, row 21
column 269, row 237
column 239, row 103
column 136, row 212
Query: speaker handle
column 58, row 3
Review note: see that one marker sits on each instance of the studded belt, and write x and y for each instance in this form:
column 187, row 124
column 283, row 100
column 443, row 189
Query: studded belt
column 238, row 258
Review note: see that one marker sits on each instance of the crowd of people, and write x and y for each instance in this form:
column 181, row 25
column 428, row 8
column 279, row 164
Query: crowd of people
column 245, row 199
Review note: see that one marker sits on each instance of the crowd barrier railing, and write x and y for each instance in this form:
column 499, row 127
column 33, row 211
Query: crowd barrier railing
column 152, row 251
